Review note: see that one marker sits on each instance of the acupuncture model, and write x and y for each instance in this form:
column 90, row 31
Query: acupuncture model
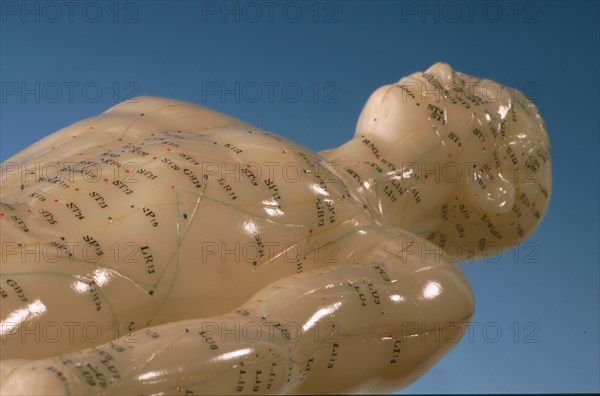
column 164, row 248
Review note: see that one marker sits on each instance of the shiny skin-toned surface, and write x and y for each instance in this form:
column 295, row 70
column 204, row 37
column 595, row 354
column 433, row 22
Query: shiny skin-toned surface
column 164, row 248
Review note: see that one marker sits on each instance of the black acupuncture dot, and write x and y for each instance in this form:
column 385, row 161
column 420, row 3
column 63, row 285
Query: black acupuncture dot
column 142, row 114
column 151, row 292
column 185, row 216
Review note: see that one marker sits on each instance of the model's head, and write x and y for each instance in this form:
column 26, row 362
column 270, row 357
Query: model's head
column 471, row 159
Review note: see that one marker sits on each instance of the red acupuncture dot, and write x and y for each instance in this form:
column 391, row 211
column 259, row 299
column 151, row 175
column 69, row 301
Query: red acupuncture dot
column 168, row 149
column 77, row 189
column 56, row 200
column 105, row 180
column 172, row 186
column 241, row 363
column 154, row 157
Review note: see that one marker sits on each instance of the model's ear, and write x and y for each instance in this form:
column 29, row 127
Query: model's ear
column 490, row 191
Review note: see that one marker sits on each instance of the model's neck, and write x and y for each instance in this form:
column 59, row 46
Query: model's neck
column 383, row 181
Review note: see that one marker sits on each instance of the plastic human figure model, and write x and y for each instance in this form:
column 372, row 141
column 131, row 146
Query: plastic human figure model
column 164, row 248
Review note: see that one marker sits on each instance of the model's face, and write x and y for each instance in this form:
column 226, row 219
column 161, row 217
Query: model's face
column 464, row 148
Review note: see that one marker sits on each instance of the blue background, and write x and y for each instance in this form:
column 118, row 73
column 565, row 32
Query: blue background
column 543, row 295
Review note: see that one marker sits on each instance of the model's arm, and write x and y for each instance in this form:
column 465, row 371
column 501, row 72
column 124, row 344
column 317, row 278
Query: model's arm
column 372, row 326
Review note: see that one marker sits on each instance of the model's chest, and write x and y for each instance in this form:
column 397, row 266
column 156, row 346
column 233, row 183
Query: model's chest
column 219, row 204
